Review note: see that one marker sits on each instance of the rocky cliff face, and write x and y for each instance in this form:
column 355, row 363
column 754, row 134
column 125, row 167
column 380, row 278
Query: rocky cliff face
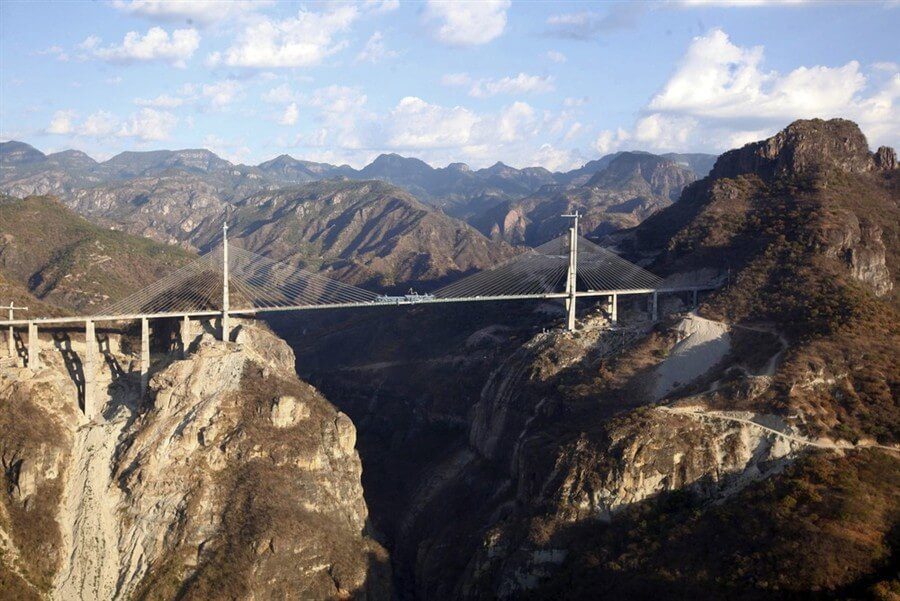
column 233, row 478
column 654, row 459
column 624, row 192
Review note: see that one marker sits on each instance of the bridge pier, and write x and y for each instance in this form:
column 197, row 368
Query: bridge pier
column 90, row 369
column 145, row 356
column 654, row 306
column 613, row 302
column 185, row 334
column 694, row 298
column 34, row 347
column 11, row 342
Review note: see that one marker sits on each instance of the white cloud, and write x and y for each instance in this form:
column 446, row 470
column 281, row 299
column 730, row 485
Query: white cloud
column 145, row 125
column 279, row 94
column 198, row 12
column 301, row 41
column 291, row 114
column 415, row 123
column 161, row 101
column 516, row 122
column 720, row 96
column 57, row 51
column 221, row 93
column 456, row 79
column 609, row 141
column 61, row 122
column 375, row 50
column 149, row 125
column 467, row 23
column 381, row 6
column 556, row 56
column 156, row 44
column 589, row 24
column 98, row 125
column 522, row 83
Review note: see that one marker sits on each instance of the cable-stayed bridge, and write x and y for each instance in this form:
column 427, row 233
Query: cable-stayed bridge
column 233, row 282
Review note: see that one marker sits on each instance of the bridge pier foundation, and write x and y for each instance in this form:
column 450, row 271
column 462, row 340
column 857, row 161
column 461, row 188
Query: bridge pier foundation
column 145, row 356
column 90, row 369
column 34, row 347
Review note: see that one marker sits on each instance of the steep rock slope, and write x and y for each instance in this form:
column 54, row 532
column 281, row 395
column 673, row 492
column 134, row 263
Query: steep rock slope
column 65, row 260
column 628, row 189
column 360, row 232
column 234, row 478
column 755, row 444
column 807, row 224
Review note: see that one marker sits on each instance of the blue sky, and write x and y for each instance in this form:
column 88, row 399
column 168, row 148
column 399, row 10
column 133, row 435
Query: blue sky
column 528, row 83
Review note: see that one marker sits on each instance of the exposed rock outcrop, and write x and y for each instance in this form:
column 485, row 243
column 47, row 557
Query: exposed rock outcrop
column 234, row 478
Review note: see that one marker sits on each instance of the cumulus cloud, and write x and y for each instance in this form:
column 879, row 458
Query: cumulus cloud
column 149, row 125
column 350, row 131
column 61, row 123
column 291, row 114
column 720, row 96
column 523, row 83
column 145, row 125
column 221, row 93
column 375, row 50
column 301, row 41
column 155, row 45
column 415, row 123
column 197, row 12
column 467, row 23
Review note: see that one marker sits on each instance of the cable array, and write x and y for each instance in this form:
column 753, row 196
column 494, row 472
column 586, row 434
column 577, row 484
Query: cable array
column 529, row 273
column 543, row 270
column 257, row 282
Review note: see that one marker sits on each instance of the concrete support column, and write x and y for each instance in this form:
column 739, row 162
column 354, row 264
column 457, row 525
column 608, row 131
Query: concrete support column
column 90, row 370
column 185, row 334
column 11, row 341
column 34, row 347
column 654, row 307
column 145, row 356
column 694, row 298
column 572, row 278
column 614, row 308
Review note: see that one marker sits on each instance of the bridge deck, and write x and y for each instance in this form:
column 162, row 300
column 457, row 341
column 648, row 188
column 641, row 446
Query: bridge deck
column 393, row 302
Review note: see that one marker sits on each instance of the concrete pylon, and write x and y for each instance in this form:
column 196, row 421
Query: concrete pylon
column 34, row 347
column 90, row 369
column 226, row 319
column 572, row 276
column 654, row 306
column 614, row 308
column 11, row 331
column 694, row 298
column 185, row 335
column 145, row 356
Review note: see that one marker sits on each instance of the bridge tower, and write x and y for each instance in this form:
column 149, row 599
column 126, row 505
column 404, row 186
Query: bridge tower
column 572, row 277
column 11, row 332
column 226, row 321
